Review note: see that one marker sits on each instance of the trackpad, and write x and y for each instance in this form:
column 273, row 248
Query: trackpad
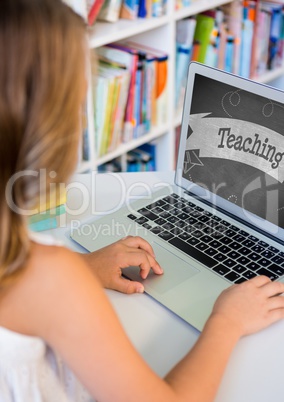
column 176, row 271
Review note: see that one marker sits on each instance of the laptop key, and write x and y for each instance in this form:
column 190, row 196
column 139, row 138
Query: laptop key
column 204, row 218
column 221, row 270
column 234, row 254
column 249, row 274
column 239, row 238
column 232, row 276
column 131, row 216
column 243, row 260
column 193, row 252
column 165, row 214
column 176, row 231
column 235, row 245
column 206, row 239
column 193, row 241
column 215, row 244
column 156, row 229
column 202, row 246
column 183, row 216
column 263, row 244
column 160, row 221
column 245, row 251
column 229, row 263
column 273, row 249
column 271, row 275
column 254, row 266
column 173, row 219
column 254, row 256
column 248, row 243
column 264, row 262
column 167, row 207
column 166, row 235
column 184, row 236
column 239, row 268
column 276, row 269
column 168, row 226
column 226, row 240
column 267, row 254
column 257, row 248
column 211, row 251
column 147, row 226
column 230, row 233
column 241, row 280
column 277, row 259
column 146, row 212
column 243, row 233
column 141, row 220
column 157, row 210
column 224, row 249
column 220, row 257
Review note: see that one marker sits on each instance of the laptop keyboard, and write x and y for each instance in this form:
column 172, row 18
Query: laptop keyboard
column 222, row 247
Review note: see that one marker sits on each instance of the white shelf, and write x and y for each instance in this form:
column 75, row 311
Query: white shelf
column 84, row 166
column 126, row 147
column 198, row 6
column 105, row 32
column 270, row 75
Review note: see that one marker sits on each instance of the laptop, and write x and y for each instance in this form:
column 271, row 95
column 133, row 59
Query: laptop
column 222, row 222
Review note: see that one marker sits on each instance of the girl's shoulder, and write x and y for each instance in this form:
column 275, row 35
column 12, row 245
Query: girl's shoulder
column 50, row 274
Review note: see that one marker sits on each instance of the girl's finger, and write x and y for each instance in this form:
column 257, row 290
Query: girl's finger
column 139, row 242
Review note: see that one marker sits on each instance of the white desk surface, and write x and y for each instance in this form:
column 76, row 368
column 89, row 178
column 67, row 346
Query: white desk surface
column 255, row 372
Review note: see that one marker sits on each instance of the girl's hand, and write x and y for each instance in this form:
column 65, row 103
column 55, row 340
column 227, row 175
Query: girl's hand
column 109, row 262
column 252, row 305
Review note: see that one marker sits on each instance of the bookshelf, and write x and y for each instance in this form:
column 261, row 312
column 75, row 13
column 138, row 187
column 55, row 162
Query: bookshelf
column 159, row 33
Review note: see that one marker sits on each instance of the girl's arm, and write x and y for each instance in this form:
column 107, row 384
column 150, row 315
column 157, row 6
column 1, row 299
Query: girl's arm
column 68, row 308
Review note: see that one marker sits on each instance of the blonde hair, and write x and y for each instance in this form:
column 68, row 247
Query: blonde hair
column 42, row 84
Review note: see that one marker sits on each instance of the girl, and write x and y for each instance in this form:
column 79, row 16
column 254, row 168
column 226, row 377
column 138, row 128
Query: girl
column 42, row 88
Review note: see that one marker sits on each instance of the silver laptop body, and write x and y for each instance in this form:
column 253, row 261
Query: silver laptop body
column 222, row 222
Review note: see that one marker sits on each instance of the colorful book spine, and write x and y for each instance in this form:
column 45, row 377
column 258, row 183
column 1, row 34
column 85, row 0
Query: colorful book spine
column 125, row 58
column 204, row 28
column 110, row 10
column 49, row 219
column 246, row 41
column 129, row 9
column 184, row 43
column 93, row 8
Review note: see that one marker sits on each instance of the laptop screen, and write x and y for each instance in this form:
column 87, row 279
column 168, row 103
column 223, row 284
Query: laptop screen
column 233, row 148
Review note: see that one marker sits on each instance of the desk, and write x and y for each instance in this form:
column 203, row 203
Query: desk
column 255, row 372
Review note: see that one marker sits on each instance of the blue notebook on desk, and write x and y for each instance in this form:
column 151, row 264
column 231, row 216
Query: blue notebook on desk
column 222, row 222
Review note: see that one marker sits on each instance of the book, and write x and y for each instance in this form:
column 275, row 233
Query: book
column 129, row 9
column 142, row 9
column 159, row 115
column 246, row 40
column 234, row 17
column 204, row 28
column 184, row 42
column 93, row 9
column 150, row 148
column 120, row 55
column 47, row 219
column 110, row 11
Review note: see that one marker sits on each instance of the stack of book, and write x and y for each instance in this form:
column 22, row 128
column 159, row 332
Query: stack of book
column 112, row 10
column 141, row 159
column 130, row 92
column 51, row 212
column 182, row 3
column 243, row 37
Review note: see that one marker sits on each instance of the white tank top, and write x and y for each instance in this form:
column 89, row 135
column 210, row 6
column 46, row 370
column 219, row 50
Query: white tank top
column 30, row 371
